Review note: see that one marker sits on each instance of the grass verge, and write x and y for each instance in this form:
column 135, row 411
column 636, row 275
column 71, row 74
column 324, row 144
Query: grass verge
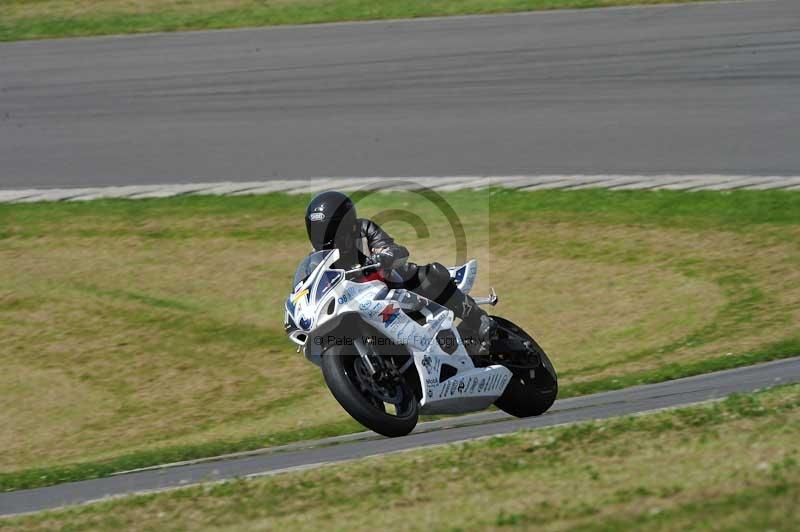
column 22, row 19
column 729, row 465
column 134, row 333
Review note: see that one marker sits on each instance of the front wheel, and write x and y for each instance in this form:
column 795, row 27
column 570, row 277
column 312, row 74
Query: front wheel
column 367, row 401
column 533, row 387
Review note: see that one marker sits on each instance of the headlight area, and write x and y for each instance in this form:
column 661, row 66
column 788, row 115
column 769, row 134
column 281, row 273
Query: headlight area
column 293, row 331
column 300, row 338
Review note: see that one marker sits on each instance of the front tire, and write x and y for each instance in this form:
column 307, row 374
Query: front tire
column 345, row 380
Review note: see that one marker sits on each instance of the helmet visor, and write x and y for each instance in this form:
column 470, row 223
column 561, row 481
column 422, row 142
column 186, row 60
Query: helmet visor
column 336, row 233
column 319, row 237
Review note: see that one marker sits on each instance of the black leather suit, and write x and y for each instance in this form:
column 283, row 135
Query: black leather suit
column 432, row 281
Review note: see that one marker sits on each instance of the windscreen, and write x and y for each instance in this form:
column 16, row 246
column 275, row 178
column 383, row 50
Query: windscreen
column 327, row 281
column 308, row 265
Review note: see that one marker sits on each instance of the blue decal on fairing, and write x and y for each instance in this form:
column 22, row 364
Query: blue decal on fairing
column 459, row 276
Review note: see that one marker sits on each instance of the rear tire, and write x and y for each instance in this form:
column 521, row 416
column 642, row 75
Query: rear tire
column 338, row 369
column 531, row 391
column 522, row 398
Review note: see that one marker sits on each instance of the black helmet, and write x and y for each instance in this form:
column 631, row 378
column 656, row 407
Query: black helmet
column 331, row 222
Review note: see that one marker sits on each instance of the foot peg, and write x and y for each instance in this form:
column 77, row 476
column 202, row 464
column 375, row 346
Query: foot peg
column 491, row 300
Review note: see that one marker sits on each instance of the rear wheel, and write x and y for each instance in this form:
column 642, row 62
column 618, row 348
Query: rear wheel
column 533, row 387
column 388, row 406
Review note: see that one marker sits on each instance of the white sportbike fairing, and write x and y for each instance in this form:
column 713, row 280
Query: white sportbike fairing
column 389, row 355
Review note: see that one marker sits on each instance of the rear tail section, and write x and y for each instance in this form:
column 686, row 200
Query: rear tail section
column 465, row 275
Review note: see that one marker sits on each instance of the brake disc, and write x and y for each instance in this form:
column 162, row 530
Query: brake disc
column 387, row 392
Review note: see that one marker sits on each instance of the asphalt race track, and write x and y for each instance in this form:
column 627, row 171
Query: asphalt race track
column 598, row 406
column 706, row 88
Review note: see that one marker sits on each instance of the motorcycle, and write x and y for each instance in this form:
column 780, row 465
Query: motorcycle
column 389, row 355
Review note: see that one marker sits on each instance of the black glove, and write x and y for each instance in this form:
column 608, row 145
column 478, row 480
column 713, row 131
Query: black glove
column 382, row 260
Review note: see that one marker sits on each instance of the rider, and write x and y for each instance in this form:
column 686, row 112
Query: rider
column 332, row 223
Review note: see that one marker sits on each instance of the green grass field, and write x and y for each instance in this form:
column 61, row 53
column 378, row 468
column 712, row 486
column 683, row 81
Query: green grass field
column 730, row 465
column 25, row 19
column 139, row 332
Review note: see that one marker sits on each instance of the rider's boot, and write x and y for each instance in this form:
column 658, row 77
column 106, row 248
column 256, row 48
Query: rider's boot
column 435, row 283
column 475, row 319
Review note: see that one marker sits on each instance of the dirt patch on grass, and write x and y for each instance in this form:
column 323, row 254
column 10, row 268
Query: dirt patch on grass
column 178, row 335
column 711, row 291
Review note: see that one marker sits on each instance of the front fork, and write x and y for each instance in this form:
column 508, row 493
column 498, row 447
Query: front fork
column 376, row 365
